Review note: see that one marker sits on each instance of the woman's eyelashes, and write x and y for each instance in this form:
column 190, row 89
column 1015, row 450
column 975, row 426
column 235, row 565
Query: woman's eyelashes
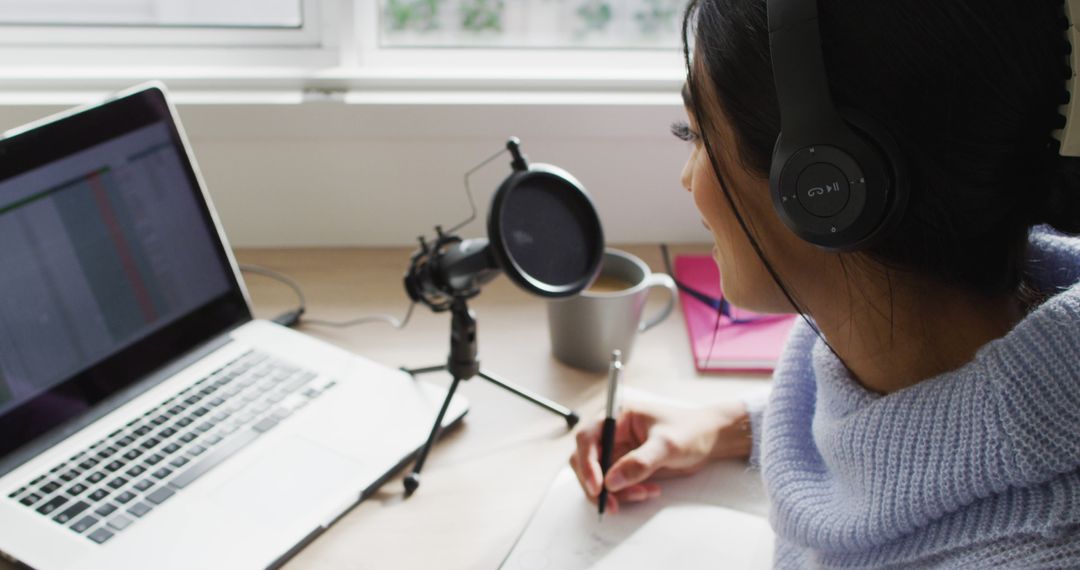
column 683, row 132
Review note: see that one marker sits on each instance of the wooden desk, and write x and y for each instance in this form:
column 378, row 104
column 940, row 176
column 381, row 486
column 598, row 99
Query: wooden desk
column 482, row 481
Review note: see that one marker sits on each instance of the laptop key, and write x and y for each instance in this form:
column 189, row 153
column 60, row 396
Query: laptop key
column 154, row 459
column 139, row 509
column 119, row 522
column 144, row 485
column 98, row 495
column 132, row 454
column 88, row 464
column 151, row 443
column 84, row 524
column 197, row 450
column 125, row 441
column 96, row 477
column 117, row 483
column 160, row 495
column 101, row 535
column 30, row 499
column 188, row 437
column 265, row 424
column 167, row 432
column 162, row 473
column 105, row 510
column 71, row 512
column 50, row 487
column 171, row 448
column 76, row 489
column 179, row 461
column 70, row 475
column 16, row 492
column 208, row 462
column 125, row 497
column 55, row 503
column 115, row 466
column 135, row 471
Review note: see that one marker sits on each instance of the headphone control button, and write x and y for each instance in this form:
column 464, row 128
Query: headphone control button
column 823, row 190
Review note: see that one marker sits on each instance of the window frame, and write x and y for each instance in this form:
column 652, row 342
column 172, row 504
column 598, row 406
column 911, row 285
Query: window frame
column 335, row 52
column 310, row 33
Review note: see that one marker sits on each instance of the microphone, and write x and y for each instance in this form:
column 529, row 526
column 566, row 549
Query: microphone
column 543, row 232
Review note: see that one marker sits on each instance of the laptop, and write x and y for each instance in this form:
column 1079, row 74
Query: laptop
column 146, row 418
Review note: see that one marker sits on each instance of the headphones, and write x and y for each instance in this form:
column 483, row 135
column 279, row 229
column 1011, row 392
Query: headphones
column 837, row 179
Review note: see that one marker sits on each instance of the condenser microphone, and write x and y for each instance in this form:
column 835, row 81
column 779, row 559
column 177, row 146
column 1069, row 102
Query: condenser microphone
column 543, row 233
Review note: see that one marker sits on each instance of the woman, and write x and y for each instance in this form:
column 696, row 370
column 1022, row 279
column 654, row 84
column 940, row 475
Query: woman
column 926, row 412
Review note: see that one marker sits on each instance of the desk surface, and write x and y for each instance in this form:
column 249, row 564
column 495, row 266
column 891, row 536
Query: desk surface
column 484, row 479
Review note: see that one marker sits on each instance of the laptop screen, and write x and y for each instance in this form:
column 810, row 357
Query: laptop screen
column 110, row 262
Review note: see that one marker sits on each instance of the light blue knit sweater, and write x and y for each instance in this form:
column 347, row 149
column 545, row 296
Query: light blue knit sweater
column 976, row 468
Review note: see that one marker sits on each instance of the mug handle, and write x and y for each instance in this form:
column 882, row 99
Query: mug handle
column 660, row 280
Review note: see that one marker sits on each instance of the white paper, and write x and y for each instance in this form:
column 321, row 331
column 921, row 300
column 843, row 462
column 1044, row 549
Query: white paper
column 713, row 519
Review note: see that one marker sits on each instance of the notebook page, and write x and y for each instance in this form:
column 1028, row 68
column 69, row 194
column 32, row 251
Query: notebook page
column 713, row 519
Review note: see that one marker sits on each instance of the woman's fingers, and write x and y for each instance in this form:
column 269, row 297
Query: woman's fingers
column 638, row 493
column 585, row 460
column 638, row 465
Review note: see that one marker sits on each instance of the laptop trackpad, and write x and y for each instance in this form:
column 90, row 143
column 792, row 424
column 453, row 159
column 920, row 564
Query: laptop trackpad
column 294, row 479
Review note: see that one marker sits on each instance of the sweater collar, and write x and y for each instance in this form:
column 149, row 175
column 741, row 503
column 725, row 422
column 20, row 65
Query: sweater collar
column 879, row 467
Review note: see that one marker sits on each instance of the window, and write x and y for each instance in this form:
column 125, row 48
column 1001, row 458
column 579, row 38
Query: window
column 205, row 13
column 618, row 24
column 42, row 28
column 334, row 46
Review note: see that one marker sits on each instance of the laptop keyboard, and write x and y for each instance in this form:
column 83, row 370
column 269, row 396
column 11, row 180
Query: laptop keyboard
column 118, row 480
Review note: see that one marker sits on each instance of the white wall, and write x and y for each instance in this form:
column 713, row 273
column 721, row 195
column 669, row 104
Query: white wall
column 379, row 174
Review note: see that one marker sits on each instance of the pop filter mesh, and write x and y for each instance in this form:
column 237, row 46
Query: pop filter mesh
column 550, row 230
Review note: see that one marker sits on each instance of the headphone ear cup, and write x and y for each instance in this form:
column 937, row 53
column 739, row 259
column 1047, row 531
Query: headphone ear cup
column 894, row 166
column 846, row 191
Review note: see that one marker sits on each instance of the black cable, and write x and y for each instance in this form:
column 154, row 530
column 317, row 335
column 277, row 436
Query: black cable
column 292, row 317
column 288, row 318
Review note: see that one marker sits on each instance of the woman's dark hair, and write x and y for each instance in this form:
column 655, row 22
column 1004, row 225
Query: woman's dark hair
column 970, row 91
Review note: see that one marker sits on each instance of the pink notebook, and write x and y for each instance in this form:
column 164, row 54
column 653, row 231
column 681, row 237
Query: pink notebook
column 747, row 347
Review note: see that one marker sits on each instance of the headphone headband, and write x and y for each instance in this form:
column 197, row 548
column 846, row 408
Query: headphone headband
column 836, row 178
column 802, row 87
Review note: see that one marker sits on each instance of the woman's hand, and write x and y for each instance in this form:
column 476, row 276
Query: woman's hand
column 654, row 439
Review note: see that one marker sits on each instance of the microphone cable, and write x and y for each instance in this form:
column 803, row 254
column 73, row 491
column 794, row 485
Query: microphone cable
column 292, row 318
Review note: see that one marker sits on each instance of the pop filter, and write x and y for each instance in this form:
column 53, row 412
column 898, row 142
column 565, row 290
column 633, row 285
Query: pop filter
column 543, row 232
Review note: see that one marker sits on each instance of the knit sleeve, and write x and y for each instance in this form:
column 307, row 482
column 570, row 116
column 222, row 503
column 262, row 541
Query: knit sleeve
column 756, row 402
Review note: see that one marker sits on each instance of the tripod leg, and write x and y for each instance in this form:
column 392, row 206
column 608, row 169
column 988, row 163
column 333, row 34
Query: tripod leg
column 412, row 480
column 425, row 370
column 567, row 414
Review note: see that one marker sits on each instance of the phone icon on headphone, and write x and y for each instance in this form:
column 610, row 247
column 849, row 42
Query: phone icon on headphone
column 821, row 191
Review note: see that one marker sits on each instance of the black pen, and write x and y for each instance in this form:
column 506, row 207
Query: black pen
column 607, row 437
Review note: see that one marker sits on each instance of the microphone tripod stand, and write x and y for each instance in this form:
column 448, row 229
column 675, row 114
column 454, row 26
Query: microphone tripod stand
column 462, row 365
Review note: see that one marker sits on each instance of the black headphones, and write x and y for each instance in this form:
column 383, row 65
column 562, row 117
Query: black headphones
column 838, row 179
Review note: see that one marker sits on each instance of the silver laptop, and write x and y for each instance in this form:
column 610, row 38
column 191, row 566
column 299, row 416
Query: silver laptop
column 146, row 419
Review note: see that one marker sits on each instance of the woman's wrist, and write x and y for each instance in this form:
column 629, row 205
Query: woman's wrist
column 733, row 437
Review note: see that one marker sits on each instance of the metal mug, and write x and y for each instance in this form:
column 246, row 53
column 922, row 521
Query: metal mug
column 585, row 328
